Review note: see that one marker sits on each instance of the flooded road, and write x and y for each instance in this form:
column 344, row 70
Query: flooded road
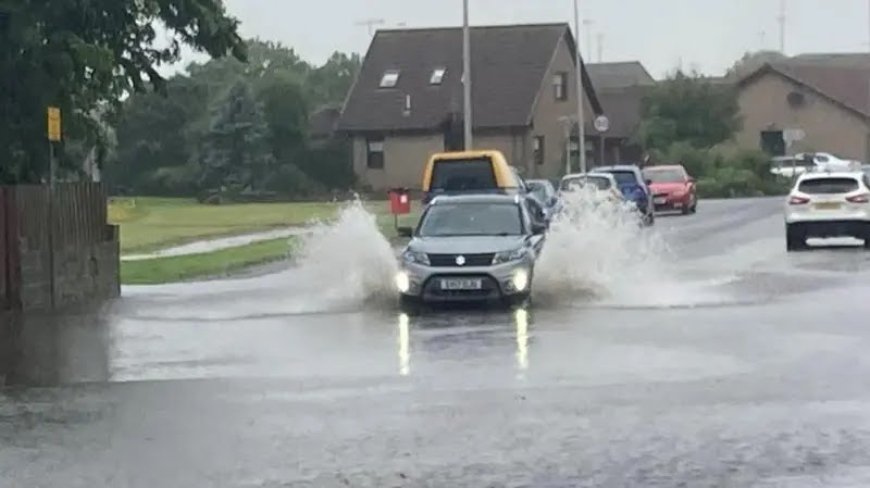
column 726, row 362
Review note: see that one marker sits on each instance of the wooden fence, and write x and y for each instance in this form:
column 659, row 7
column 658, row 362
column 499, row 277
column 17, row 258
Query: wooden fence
column 52, row 241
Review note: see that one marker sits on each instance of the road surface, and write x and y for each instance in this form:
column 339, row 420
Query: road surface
column 733, row 364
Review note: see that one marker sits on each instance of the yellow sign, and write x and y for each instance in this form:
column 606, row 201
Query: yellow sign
column 54, row 124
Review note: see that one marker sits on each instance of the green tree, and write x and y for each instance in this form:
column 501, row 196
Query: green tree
column 330, row 83
column 690, row 109
column 236, row 154
column 79, row 54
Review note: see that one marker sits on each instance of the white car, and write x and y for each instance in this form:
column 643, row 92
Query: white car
column 602, row 182
column 828, row 204
column 792, row 166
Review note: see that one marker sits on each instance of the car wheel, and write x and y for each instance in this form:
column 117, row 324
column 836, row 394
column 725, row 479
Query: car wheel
column 522, row 300
column 795, row 239
column 650, row 219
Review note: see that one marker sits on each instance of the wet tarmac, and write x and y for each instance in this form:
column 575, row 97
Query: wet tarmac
column 734, row 364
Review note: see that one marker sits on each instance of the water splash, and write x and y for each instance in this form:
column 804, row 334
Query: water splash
column 349, row 261
column 598, row 250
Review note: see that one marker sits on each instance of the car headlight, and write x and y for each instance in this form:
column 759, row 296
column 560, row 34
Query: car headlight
column 403, row 282
column 520, row 280
column 415, row 257
column 509, row 256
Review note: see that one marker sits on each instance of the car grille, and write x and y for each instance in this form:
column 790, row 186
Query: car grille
column 449, row 260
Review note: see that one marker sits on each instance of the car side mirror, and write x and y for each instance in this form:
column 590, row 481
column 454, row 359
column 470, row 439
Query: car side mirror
column 539, row 228
column 405, row 232
column 648, row 182
column 691, row 179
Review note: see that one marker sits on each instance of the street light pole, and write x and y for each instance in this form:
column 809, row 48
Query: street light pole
column 466, row 78
column 581, row 92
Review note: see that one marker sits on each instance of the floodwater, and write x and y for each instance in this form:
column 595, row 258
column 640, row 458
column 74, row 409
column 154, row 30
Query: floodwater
column 697, row 353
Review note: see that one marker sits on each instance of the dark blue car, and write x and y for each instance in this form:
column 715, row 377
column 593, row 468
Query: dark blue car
column 633, row 186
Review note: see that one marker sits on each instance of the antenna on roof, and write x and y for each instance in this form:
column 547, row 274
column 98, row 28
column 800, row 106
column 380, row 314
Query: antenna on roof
column 782, row 17
column 370, row 24
column 600, row 47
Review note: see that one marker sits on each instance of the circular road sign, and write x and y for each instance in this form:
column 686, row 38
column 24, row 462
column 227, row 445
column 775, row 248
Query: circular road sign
column 602, row 123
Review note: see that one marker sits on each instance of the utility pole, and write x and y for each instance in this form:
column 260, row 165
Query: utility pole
column 370, row 24
column 600, row 47
column 581, row 92
column 781, row 19
column 466, row 77
column 867, row 155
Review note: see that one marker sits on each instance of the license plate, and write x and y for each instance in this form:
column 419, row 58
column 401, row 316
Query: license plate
column 660, row 200
column 461, row 284
column 828, row 206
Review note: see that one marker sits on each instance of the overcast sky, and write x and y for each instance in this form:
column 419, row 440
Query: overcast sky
column 704, row 34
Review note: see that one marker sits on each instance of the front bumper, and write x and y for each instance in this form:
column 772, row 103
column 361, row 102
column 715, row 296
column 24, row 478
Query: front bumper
column 671, row 201
column 497, row 282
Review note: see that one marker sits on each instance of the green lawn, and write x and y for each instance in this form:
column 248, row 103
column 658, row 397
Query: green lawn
column 218, row 263
column 148, row 224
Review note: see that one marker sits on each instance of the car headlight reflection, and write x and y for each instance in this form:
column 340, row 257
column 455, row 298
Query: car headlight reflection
column 415, row 257
column 403, row 282
column 520, row 280
column 509, row 256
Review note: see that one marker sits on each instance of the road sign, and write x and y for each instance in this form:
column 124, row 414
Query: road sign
column 54, row 124
column 602, row 123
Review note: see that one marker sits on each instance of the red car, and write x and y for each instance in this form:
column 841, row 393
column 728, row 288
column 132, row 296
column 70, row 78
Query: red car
column 672, row 188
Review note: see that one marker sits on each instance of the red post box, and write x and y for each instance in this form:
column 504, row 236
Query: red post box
column 400, row 201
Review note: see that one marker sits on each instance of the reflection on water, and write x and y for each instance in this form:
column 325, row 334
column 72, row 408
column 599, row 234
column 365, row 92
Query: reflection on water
column 521, row 317
column 447, row 335
column 404, row 345
column 50, row 350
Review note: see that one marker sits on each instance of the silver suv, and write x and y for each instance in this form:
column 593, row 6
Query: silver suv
column 479, row 248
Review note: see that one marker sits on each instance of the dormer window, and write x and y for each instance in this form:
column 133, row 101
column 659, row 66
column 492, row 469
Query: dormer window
column 390, row 78
column 437, row 76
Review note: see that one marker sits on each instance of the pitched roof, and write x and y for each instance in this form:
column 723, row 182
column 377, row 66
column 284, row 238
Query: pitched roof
column 848, row 87
column 832, row 59
column 508, row 68
column 617, row 75
column 623, row 106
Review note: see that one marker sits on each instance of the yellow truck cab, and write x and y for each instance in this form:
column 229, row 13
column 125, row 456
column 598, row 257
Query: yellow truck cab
column 469, row 172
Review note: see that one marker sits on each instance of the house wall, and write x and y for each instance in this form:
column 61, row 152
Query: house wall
column 828, row 127
column 405, row 157
column 511, row 143
column 548, row 111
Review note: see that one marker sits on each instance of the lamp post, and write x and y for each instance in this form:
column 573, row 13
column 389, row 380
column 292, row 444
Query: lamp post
column 466, row 78
column 581, row 92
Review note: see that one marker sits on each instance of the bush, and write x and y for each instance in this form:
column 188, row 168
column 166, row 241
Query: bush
column 721, row 173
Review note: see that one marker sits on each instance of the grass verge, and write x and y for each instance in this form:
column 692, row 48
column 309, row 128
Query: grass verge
column 183, row 268
column 149, row 224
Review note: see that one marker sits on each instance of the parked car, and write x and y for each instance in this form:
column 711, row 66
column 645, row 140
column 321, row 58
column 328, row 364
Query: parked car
column 672, row 188
column 545, row 193
column 828, row 204
column 477, row 248
column 634, row 188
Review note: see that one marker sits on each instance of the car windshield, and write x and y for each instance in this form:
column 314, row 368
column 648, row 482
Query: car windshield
column 463, row 175
column 624, row 178
column 828, row 186
column 472, row 219
column 599, row 182
column 670, row 175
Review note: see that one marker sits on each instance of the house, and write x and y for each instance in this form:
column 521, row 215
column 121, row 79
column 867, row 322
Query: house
column 407, row 101
column 621, row 88
column 795, row 107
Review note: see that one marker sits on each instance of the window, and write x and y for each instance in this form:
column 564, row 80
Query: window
column 463, row 175
column 375, row 153
column 390, row 78
column 472, row 219
column 560, row 86
column 437, row 76
column 539, row 150
column 828, row 186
